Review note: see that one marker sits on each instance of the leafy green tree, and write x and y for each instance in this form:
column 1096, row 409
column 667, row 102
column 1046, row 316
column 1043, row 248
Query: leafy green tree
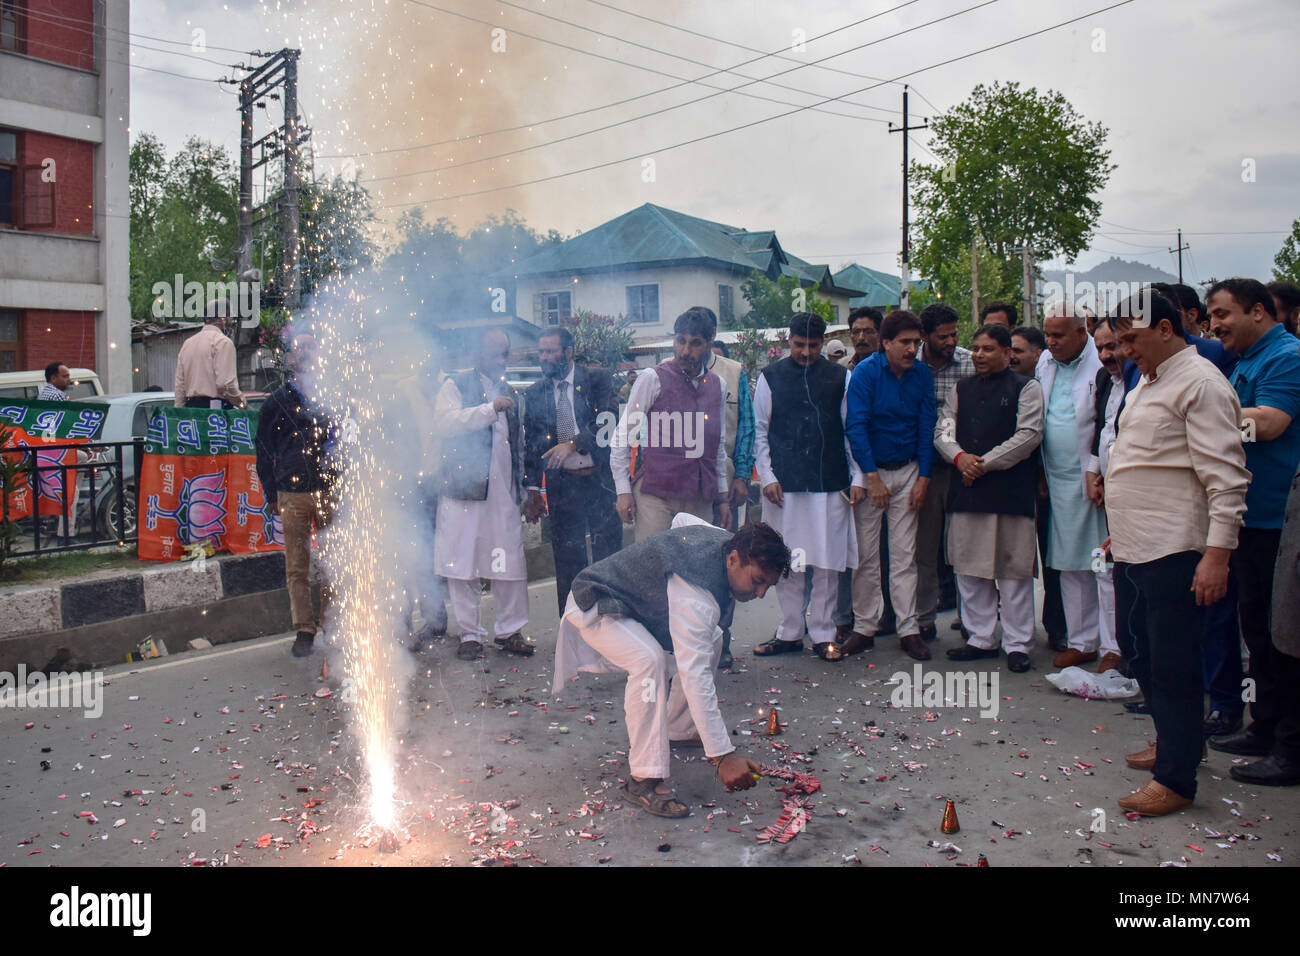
column 600, row 339
column 772, row 303
column 1014, row 168
column 1286, row 264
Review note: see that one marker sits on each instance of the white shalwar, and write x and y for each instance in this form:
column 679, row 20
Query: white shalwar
column 817, row 526
column 482, row 539
column 668, row 696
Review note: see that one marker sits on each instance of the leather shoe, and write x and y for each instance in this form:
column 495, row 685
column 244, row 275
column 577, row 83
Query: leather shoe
column 1219, row 724
column 1109, row 662
column 1154, row 800
column 842, row 632
column 1018, row 662
column 1138, row 707
column 929, row 632
column 857, row 642
column 1244, row 742
column 1143, row 759
column 969, row 652
column 1073, row 657
column 725, row 660
column 1058, row 642
column 1272, row 771
column 914, row 647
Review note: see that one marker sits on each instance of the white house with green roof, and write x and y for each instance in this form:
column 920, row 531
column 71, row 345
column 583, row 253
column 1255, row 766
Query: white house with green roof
column 652, row 264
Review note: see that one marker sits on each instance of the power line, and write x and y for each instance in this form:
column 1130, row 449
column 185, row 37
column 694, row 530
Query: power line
column 698, row 139
column 683, row 81
column 129, row 64
column 667, row 109
column 750, row 49
column 927, row 100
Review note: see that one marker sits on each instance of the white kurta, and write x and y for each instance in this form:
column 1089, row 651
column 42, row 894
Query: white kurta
column 818, row 523
column 479, row 539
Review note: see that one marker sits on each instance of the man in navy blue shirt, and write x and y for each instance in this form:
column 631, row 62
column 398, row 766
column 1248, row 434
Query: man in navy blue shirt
column 1267, row 380
column 890, row 425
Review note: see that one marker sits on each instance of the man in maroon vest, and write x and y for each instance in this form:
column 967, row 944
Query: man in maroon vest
column 676, row 414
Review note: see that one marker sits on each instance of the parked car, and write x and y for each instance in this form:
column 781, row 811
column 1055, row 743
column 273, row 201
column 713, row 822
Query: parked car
column 85, row 383
column 128, row 418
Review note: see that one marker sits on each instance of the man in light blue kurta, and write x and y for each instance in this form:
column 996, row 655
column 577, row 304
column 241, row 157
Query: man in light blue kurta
column 1068, row 373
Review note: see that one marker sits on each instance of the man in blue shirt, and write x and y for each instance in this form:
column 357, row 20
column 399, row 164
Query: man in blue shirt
column 890, row 425
column 1267, row 379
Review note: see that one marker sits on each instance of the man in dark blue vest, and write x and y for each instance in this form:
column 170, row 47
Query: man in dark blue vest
column 652, row 610
column 480, row 534
column 991, row 425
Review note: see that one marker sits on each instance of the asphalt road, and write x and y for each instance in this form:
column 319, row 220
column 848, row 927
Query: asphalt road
column 495, row 770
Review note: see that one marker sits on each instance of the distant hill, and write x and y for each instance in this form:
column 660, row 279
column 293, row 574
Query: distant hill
column 1113, row 269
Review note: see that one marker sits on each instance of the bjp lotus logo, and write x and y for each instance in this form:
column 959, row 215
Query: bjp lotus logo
column 49, row 477
column 200, row 512
column 272, row 533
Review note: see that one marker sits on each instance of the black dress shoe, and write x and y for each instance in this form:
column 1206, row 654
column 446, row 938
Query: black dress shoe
column 1219, row 724
column 1271, row 771
column 914, row 647
column 969, row 652
column 1246, row 742
column 955, row 625
column 1018, row 661
column 725, row 661
column 1058, row 642
column 1138, row 707
column 302, row 644
column 929, row 632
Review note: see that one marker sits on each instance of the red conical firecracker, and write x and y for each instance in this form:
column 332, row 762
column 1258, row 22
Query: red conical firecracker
column 982, row 861
column 325, row 669
column 773, row 723
column 950, row 824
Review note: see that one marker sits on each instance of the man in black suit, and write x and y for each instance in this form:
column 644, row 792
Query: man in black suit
column 562, row 416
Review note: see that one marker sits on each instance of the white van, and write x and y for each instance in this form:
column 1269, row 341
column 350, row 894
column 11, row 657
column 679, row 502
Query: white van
column 29, row 384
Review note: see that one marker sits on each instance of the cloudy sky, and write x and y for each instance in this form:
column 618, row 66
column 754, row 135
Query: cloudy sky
column 407, row 94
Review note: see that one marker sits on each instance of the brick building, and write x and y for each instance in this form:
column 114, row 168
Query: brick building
column 64, row 216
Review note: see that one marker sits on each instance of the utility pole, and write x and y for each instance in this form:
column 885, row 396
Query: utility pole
column 245, row 179
column 907, row 243
column 1027, row 263
column 974, row 280
column 1180, row 250
column 292, row 284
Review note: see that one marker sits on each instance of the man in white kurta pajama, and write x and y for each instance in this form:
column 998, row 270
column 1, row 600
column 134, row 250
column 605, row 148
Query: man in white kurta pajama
column 480, row 534
column 810, row 483
column 652, row 610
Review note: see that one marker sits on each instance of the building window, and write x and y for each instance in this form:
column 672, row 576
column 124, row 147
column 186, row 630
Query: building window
column 38, row 197
column 11, row 26
column 725, row 313
column 643, row 303
column 8, row 177
column 550, row 308
column 835, row 314
column 9, row 341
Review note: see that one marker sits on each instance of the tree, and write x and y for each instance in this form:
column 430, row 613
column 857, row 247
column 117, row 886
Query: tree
column 600, row 339
column 1286, row 264
column 772, row 303
column 1015, row 168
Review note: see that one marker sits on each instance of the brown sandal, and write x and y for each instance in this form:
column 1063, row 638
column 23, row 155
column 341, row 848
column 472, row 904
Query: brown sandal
column 646, row 793
column 775, row 646
column 516, row 643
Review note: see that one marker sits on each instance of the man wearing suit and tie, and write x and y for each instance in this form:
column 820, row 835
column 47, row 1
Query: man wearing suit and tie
column 560, row 427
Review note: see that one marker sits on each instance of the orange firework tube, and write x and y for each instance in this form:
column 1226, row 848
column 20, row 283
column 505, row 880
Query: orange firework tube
column 950, row 824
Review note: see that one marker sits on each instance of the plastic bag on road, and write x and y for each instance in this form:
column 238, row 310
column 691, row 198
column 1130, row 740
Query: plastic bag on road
column 1108, row 686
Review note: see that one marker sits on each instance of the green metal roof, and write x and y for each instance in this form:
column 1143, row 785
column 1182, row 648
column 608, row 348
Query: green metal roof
column 651, row 236
column 878, row 288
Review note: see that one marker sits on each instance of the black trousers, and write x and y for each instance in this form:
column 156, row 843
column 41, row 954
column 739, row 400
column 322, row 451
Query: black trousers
column 580, row 505
column 1276, row 708
column 1168, row 629
column 1053, row 605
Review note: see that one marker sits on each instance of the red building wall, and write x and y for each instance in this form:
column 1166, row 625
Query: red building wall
column 48, row 335
column 74, row 180
column 62, row 31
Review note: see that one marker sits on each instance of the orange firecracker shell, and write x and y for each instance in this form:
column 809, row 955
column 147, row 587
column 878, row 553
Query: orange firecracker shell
column 950, row 824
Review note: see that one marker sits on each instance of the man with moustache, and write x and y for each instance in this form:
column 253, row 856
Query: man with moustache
column 1068, row 374
column 864, row 333
column 562, row 415
column 480, row 535
column 991, row 425
column 890, row 425
column 674, row 401
column 1175, row 493
column 810, row 483
column 651, row 611
column 1267, row 381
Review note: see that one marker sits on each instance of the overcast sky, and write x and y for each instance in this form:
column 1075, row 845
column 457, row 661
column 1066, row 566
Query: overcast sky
column 1189, row 89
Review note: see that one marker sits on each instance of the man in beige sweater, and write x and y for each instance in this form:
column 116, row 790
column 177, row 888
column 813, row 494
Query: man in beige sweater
column 1175, row 497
